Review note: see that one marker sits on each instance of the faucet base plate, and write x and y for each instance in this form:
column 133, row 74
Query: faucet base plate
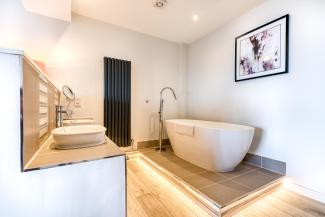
column 160, row 150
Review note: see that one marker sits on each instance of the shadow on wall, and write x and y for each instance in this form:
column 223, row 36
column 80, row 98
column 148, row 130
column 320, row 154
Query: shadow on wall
column 153, row 125
column 257, row 138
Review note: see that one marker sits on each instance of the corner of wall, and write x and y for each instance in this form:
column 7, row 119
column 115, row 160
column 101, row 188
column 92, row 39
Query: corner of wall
column 183, row 58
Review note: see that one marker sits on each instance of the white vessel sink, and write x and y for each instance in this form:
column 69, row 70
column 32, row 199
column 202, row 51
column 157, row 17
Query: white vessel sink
column 78, row 136
column 77, row 122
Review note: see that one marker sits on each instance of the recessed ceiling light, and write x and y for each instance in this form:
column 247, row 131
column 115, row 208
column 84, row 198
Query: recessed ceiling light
column 195, row 17
column 160, row 3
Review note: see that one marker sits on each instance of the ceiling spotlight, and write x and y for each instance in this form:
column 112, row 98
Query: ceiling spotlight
column 160, row 3
column 195, row 17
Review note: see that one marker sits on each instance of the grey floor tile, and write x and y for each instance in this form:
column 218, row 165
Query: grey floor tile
column 203, row 179
column 250, row 166
column 224, row 193
column 256, row 179
column 239, row 170
column 270, row 173
column 182, row 170
column 180, row 161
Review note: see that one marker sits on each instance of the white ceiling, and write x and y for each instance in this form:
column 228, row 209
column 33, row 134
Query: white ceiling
column 172, row 23
column 58, row 9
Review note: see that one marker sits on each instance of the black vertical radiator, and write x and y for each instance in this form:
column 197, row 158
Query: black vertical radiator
column 117, row 101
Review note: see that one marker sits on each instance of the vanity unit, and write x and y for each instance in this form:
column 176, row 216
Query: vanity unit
column 88, row 181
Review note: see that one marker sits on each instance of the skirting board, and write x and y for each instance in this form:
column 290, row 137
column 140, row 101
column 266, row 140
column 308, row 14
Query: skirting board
column 151, row 143
column 266, row 163
column 312, row 194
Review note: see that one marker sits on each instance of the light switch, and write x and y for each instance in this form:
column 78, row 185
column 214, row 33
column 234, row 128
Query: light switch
column 77, row 103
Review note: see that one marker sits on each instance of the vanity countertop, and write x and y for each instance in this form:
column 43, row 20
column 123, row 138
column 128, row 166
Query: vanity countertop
column 46, row 157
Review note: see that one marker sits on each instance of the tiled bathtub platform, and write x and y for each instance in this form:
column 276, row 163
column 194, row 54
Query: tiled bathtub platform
column 222, row 190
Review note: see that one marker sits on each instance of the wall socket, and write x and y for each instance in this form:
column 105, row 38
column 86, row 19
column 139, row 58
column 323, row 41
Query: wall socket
column 77, row 103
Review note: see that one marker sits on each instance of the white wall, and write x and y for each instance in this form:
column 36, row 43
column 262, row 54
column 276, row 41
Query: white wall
column 94, row 188
column 183, row 79
column 35, row 34
column 287, row 110
column 77, row 61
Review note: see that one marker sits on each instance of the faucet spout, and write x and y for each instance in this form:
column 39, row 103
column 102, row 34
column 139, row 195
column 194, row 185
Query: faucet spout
column 167, row 88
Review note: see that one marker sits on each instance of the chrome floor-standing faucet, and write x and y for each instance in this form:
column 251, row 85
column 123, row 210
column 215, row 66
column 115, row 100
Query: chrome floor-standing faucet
column 161, row 119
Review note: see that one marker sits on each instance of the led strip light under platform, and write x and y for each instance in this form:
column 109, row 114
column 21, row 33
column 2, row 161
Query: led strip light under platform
column 209, row 205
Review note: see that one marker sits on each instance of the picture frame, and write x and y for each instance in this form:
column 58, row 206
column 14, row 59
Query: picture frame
column 263, row 51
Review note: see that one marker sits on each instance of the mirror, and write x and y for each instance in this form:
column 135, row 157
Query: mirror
column 68, row 93
column 70, row 96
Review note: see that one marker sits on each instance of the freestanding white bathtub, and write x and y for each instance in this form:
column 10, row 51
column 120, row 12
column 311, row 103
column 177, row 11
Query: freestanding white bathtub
column 213, row 146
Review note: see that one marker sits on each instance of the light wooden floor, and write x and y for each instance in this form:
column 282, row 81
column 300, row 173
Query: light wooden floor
column 150, row 195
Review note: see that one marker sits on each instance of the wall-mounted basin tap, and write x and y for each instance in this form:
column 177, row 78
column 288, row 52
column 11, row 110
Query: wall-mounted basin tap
column 59, row 111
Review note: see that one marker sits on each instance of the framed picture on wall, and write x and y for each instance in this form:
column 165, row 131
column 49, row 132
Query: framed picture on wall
column 263, row 51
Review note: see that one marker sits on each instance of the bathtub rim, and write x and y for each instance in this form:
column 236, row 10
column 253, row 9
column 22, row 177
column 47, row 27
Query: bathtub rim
column 235, row 127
